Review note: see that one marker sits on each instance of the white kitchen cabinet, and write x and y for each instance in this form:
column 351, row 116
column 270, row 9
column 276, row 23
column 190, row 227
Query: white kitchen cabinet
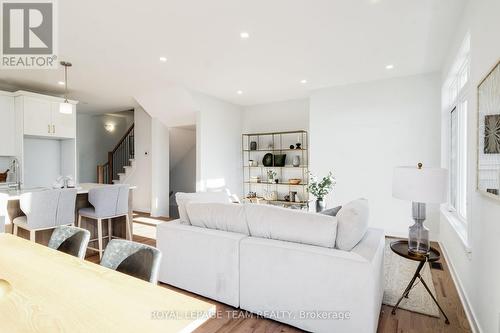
column 43, row 119
column 7, row 126
column 37, row 116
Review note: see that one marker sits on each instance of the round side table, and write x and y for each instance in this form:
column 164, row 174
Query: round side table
column 400, row 247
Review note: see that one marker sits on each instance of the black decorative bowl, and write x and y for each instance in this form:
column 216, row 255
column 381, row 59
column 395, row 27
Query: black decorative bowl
column 267, row 161
column 279, row 160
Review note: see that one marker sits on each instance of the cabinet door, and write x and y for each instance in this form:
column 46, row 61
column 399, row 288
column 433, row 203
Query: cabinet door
column 63, row 125
column 37, row 117
column 7, row 126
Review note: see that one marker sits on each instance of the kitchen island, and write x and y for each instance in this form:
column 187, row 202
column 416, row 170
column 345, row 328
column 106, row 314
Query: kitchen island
column 13, row 210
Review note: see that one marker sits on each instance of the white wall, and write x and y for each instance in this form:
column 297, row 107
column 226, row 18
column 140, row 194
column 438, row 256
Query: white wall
column 478, row 273
column 94, row 142
column 141, row 178
column 218, row 142
column 160, row 174
column 279, row 116
column 42, row 161
column 361, row 132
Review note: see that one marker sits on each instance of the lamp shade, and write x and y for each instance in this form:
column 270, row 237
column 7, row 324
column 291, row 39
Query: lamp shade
column 66, row 108
column 426, row 185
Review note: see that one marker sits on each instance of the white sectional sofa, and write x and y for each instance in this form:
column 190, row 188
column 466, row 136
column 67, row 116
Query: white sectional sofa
column 278, row 263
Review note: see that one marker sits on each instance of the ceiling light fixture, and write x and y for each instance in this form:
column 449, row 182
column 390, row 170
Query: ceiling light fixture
column 304, row 81
column 239, row 92
column 389, row 67
column 61, row 83
column 163, row 59
column 244, row 35
column 66, row 107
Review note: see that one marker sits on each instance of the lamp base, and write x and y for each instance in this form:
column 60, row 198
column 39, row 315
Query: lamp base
column 418, row 234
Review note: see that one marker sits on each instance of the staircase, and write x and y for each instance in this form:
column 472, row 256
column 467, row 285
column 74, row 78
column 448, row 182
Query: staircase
column 120, row 162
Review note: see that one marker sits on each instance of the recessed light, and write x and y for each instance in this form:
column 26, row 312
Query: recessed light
column 304, row 81
column 244, row 35
column 163, row 59
column 61, row 83
column 389, row 67
column 239, row 92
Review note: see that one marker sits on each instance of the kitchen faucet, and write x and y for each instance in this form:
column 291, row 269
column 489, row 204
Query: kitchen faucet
column 16, row 169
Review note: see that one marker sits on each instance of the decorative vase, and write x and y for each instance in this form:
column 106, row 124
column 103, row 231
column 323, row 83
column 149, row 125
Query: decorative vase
column 279, row 160
column 320, row 205
column 296, row 161
column 298, row 144
column 253, row 145
column 267, row 161
column 276, row 180
column 418, row 238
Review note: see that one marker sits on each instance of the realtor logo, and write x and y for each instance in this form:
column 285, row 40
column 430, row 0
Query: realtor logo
column 28, row 34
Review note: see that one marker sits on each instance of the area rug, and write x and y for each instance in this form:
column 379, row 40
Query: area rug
column 398, row 272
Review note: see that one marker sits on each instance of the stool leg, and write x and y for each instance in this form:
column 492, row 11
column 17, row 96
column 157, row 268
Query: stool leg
column 110, row 230
column 99, row 236
column 128, row 230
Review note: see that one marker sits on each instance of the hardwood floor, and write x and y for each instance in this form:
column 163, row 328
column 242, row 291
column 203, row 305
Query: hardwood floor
column 235, row 320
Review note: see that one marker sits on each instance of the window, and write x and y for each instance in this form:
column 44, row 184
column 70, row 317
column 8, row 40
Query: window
column 458, row 161
column 455, row 97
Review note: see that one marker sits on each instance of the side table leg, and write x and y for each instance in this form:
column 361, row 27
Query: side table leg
column 410, row 285
column 434, row 299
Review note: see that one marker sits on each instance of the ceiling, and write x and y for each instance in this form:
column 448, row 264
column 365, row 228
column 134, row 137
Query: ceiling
column 115, row 46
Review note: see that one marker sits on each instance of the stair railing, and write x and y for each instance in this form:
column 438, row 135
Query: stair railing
column 118, row 158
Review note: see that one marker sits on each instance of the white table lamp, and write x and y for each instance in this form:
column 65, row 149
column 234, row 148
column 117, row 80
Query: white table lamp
column 420, row 185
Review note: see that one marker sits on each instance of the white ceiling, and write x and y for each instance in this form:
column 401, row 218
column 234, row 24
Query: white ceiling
column 115, row 47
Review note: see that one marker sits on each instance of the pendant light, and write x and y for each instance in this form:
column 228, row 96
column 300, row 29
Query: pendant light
column 66, row 107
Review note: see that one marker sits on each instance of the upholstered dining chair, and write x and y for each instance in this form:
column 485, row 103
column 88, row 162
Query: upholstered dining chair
column 134, row 259
column 107, row 202
column 3, row 210
column 45, row 210
column 70, row 240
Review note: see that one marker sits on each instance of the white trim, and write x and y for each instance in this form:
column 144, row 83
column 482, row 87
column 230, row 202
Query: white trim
column 462, row 294
column 458, row 226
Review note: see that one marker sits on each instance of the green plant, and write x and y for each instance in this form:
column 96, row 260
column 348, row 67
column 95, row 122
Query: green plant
column 271, row 174
column 320, row 189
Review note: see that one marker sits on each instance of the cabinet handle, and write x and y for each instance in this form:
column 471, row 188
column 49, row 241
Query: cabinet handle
column 54, row 129
column 48, row 130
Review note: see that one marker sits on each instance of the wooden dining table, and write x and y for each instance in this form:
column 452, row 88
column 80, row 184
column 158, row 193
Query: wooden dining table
column 44, row 290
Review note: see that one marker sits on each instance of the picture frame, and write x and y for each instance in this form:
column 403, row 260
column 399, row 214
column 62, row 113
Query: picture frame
column 488, row 134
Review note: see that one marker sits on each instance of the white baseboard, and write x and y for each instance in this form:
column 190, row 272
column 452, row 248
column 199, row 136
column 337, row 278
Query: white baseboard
column 469, row 312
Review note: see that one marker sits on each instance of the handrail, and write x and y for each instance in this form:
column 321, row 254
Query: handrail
column 118, row 158
column 123, row 138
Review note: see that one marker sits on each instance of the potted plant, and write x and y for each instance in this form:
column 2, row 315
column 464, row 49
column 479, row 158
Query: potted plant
column 270, row 176
column 320, row 189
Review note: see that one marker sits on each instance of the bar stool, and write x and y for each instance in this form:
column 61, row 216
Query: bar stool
column 46, row 210
column 107, row 202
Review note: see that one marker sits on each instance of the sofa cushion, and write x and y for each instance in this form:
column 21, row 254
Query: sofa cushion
column 204, row 197
column 290, row 225
column 331, row 211
column 352, row 222
column 219, row 216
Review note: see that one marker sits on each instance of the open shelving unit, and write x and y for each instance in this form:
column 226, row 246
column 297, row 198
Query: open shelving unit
column 276, row 143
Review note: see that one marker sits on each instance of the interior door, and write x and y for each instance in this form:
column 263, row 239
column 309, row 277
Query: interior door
column 63, row 125
column 37, row 117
